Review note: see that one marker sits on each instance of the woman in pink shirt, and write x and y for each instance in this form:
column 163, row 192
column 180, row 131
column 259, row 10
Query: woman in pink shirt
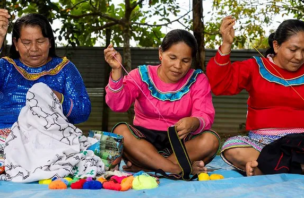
column 170, row 94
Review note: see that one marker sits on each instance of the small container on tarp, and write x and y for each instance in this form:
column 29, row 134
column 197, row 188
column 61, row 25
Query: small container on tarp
column 109, row 147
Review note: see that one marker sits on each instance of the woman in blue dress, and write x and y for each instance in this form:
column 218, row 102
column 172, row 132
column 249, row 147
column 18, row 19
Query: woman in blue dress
column 33, row 60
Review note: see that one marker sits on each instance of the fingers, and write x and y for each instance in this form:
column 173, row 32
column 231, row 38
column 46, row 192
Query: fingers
column 4, row 13
column 227, row 24
column 198, row 167
column 182, row 134
column 109, row 52
column 4, row 16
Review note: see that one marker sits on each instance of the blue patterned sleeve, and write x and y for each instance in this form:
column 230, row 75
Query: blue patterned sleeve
column 2, row 68
column 76, row 104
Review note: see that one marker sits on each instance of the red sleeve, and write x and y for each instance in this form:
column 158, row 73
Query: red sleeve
column 228, row 78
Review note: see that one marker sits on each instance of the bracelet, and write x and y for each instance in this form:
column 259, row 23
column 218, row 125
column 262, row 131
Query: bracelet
column 62, row 98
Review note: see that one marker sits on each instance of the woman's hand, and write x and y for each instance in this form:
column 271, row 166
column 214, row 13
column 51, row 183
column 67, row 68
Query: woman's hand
column 227, row 33
column 186, row 125
column 4, row 16
column 113, row 58
column 109, row 54
column 59, row 95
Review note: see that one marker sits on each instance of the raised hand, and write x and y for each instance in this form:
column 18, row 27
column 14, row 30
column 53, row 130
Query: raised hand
column 4, row 16
column 109, row 54
column 227, row 33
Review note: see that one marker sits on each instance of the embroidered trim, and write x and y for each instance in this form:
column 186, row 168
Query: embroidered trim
column 115, row 81
column 223, row 64
column 167, row 96
column 200, row 127
column 267, row 75
column 70, row 111
column 222, row 54
column 36, row 76
column 115, row 90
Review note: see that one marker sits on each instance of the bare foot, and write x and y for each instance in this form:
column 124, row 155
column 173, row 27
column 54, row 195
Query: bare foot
column 129, row 167
column 198, row 167
column 252, row 169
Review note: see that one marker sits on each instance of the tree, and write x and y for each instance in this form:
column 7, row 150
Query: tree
column 252, row 16
column 198, row 31
column 85, row 21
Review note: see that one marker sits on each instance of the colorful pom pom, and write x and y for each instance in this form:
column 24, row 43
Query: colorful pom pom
column 64, row 181
column 68, row 179
column 111, row 185
column 144, row 182
column 101, row 179
column 73, row 181
column 78, row 184
column 118, row 179
column 57, row 185
column 126, row 183
column 45, row 181
column 92, row 185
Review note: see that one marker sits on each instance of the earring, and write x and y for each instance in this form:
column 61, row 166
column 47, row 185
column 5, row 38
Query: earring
column 160, row 58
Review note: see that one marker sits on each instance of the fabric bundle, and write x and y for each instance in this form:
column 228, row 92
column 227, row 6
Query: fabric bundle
column 43, row 144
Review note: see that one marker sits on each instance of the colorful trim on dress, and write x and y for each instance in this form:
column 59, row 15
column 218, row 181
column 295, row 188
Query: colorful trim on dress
column 253, row 140
column 267, row 75
column 3, row 134
column 115, row 90
column 221, row 64
column 36, row 76
column 274, row 131
column 167, row 96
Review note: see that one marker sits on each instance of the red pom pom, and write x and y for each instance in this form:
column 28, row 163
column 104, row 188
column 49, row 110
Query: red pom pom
column 78, row 184
column 111, row 185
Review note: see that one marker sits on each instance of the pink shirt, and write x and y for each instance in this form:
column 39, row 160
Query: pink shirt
column 190, row 97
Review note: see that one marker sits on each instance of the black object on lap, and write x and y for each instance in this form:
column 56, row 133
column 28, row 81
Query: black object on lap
column 284, row 155
column 181, row 155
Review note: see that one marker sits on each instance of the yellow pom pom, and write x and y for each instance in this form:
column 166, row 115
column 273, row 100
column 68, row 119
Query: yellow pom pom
column 45, row 181
column 216, row 177
column 203, row 177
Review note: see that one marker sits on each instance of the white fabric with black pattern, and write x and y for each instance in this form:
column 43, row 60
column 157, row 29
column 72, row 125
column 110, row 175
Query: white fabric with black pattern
column 43, row 144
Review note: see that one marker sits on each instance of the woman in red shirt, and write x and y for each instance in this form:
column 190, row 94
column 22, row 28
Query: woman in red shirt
column 275, row 84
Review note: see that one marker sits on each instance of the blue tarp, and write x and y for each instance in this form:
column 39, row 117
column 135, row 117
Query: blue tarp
column 234, row 185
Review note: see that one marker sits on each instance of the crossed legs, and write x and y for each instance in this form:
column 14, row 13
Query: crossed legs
column 144, row 155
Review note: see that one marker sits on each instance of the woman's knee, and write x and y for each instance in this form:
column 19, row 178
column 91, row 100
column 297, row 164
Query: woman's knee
column 122, row 129
column 232, row 154
column 240, row 155
column 211, row 140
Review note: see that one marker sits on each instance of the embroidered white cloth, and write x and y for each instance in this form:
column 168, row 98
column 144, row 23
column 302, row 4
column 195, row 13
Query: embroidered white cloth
column 43, row 144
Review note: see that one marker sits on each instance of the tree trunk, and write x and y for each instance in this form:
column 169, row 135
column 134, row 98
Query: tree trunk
column 127, row 50
column 198, row 30
column 105, row 108
column 127, row 37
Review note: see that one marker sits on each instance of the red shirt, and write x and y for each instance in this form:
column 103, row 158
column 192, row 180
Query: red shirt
column 272, row 102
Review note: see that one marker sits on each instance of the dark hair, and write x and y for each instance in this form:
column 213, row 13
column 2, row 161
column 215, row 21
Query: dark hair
column 176, row 36
column 285, row 30
column 33, row 20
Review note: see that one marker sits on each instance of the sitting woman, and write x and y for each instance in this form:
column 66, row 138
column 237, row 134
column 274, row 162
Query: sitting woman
column 32, row 60
column 275, row 87
column 167, row 94
column 41, row 95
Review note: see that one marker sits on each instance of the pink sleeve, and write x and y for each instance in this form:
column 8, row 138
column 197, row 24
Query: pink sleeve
column 202, row 103
column 122, row 93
